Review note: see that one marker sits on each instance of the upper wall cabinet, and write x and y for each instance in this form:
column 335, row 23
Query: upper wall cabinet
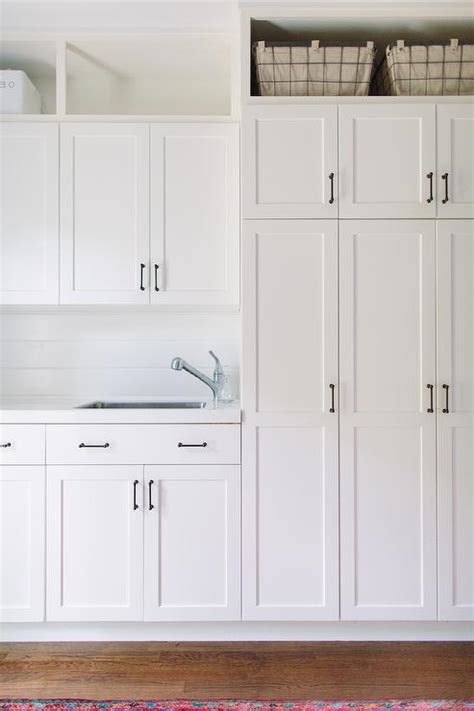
column 387, row 161
column 290, row 161
column 455, row 161
column 29, row 214
column 104, row 213
column 109, row 255
column 195, row 214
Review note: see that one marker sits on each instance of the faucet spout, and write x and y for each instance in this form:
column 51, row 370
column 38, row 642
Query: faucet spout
column 214, row 385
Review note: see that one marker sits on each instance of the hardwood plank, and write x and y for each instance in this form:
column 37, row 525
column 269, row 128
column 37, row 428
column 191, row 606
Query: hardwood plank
column 238, row 670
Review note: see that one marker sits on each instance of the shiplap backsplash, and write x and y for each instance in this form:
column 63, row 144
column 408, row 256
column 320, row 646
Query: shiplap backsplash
column 109, row 354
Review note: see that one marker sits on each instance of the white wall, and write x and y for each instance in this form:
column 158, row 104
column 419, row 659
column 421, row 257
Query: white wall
column 91, row 355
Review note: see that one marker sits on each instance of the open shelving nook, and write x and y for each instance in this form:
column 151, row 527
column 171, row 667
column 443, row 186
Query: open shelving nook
column 148, row 76
column 381, row 24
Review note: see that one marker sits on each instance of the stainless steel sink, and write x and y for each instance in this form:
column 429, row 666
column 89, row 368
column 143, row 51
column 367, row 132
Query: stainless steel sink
column 101, row 405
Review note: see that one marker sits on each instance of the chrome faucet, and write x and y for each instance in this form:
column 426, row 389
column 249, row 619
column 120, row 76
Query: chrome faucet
column 215, row 384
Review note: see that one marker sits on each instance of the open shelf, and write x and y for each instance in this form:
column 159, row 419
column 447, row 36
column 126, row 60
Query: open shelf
column 382, row 30
column 38, row 60
column 179, row 75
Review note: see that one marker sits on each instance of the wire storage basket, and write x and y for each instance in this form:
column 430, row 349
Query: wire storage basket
column 426, row 69
column 312, row 68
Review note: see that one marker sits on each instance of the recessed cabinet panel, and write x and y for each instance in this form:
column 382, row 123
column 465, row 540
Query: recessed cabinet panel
column 388, row 421
column 22, row 543
column 291, row 519
column 29, row 245
column 386, row 154
column 104, row 213
column 288, row 158
column 192, row 543
column 195, row 213
column 456, row 419
column 387, row 319
column 95, row 543
column 289, row 447
column 455, row 161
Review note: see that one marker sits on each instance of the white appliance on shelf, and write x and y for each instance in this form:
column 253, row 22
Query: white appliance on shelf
column 18, row 94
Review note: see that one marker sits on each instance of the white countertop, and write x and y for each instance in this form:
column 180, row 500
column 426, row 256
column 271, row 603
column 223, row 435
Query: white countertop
column 63, row 411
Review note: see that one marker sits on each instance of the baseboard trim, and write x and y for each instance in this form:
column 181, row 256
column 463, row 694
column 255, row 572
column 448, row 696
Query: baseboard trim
column 236, row 631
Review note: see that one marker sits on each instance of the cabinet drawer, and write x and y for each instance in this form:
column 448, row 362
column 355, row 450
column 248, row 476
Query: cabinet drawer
column 143, row 444
column 22, row 444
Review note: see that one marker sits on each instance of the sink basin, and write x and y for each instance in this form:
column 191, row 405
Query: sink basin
column 101, row 405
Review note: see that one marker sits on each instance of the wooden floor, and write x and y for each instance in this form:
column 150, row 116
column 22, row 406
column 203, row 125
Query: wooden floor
column 238, row 671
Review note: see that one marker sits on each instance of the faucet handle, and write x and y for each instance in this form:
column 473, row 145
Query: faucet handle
column 219, row 369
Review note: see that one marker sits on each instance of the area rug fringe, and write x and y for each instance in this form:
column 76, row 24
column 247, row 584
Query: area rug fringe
column 83, row 705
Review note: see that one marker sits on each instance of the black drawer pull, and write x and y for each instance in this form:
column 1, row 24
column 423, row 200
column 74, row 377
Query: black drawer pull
column 180, row 444
column 150, row 505
column 446, row 407
column 94, row 446
column 7, row 444
column 446, row 189
column 333, row 407
column 331, row 178
column 431, row 407
column 430, row 178
column 157, row 266
column 135, row 484
column 142, row 272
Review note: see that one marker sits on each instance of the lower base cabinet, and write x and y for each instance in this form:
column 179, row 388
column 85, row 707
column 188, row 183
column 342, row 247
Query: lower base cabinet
column 121, row 535
column 22, row 542
column 192, row 543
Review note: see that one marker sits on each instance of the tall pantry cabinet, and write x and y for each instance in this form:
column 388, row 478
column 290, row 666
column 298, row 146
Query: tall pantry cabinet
column 357, row 362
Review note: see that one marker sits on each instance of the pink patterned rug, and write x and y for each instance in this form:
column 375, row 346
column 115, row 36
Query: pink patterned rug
column 77, row 705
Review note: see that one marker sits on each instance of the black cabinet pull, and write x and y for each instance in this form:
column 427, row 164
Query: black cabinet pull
column 94, row 446
column 142, row 273
column 446, row 189
column 446, row 407
column 332, row 408
column 180, row 444
column 430, row 178
column 7, row 444
column 431, row 407
column 331, row 178
column 135, row 484
column 150, row 505
column 157, row 266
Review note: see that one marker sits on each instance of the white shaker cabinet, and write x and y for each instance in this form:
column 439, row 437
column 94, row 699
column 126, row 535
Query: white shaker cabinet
column 29, row 239
column 387, row 161
column 289, row 162
column 95, row 543
column 455, row 160
column 104, row 213
column 388, row 420
column 22, row 543
column 456, row 419
column 195, row 220
column 290, row 433
column 192, row 543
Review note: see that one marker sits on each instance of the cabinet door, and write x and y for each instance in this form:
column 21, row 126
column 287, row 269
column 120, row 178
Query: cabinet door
column 455, row 160
column 386, row 158
column 104, row 213
column 290, row 434
column 29, row 214
column 95, row 543
column 195, row 214
column 387, row 440
column 456, row 419
column 289, row 154
column 22, row 534
column 192, row 543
